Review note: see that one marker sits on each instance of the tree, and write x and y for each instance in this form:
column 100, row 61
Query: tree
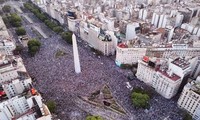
column 33, row 46
column 93, row 118
column 28, row 6
column 6, row 8
column 41, row 16
column 51, row 105
column 140, row 99
column 15, row 20
column 15, row 17
column 33, row 50
column 20, row 31
column 50, row 24
column 58, row 29
column 67, row 36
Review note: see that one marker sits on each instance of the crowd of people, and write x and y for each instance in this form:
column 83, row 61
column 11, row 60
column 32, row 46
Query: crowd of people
column 56, row 80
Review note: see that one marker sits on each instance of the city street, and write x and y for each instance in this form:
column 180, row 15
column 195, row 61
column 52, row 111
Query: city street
column 56, row 79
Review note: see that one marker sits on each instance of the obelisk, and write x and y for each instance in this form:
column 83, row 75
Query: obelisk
column 76, row 56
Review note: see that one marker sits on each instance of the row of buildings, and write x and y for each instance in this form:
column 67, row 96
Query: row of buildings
column 19, row 100
column 162, row 29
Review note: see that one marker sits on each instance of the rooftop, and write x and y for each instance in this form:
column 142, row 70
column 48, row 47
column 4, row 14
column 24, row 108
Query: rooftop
column 197, row 87
column 194, row 86
column 159, row 66
column 173, row 77
column 181, row 62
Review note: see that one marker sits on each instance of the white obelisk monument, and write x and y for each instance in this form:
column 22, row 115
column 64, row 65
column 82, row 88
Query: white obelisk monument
column 76, row 56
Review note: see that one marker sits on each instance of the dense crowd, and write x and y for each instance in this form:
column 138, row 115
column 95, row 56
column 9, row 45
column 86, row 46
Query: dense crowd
column 56, row 80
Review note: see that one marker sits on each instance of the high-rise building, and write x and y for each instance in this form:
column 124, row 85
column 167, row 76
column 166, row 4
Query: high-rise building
column 190, row 97
column 165, row 77
column 23, row 108
column 195, row 66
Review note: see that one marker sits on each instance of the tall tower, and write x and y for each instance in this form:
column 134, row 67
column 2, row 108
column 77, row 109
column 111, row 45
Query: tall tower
column 76, row 56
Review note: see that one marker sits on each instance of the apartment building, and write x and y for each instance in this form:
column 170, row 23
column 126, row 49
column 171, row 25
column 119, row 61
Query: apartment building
column 169, row 79
column 17, row 86
column 104, row 41
column 195, row 66
column 190, row 98
column 23, row 108
column 145, row 72
column 6, row 43
column 165, row 76
column 126, row 54
column 166, row 84
column 9, row 68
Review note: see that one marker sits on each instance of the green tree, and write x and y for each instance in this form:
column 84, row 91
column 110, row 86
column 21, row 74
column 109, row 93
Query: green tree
column 51, row 105
column 93, row 118
column 20, row 31
column 50, row 24
column 140, row 100
column 28, row 6
column 58, row 29
column 15, row 17
column 33, row 46
column 15, row 20
column 67, row 36
column 41, row 16
column 6, row 8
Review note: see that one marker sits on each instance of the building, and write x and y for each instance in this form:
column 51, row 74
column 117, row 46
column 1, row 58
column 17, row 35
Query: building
column 166, row 77
column 131, row 30
column 165, row 83
column 10, row 68
column 161, row 43
column 17, row 86
column 190, row 98
column 73, row 24
column 170, row 79
column 197, row 113
column 104, row 41
column 145, row 72
column 23, row 108
column 195, row 66
column 6, row 44
column 129, row 55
